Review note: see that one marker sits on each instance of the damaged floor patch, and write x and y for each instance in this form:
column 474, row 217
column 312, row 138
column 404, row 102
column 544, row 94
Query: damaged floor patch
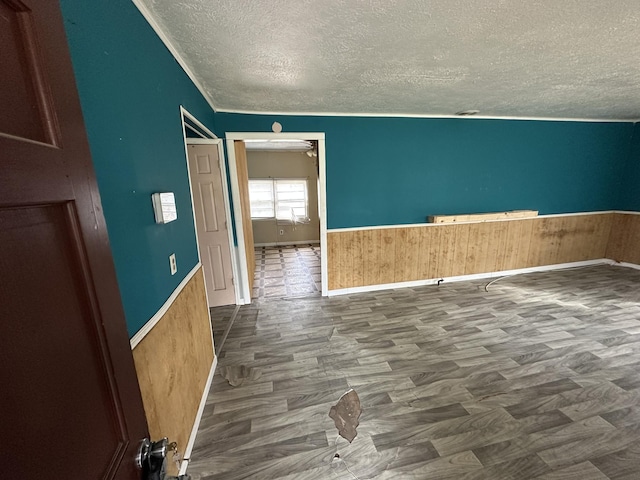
column 346, row 414
column 236, row 375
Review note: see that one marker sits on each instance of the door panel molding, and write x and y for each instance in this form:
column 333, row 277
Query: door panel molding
column 97, row 321
column 226, row 196
column 44, row 129
column 212, row 228
column 65, row 350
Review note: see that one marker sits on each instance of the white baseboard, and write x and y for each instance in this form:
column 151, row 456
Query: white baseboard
column 196, row 423
column 462, row 278
column 147, row 327
column 627, row 264
column 276, row 244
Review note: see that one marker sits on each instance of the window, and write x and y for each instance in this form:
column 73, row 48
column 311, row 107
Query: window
column 261, row 198
column 282, row 199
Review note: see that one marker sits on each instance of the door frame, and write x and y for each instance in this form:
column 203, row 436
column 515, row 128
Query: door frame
column 213, row 140
column 237, row 207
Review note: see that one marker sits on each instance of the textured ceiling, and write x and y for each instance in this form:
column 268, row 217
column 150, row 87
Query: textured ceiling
column 536, row 58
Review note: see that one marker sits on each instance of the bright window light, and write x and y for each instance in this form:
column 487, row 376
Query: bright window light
column 281, row 199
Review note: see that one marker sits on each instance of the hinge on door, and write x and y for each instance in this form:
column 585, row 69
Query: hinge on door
column 233, row 282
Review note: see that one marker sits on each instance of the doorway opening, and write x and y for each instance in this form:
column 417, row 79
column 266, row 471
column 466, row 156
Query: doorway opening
column 211, row 211
column 283, row 196
column 278, row 196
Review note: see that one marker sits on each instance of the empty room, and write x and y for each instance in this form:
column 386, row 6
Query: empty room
column 321, row 240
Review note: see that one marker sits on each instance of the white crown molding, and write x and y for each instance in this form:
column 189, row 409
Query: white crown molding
column 146, row 13
column 174, row 52
column 419, row 115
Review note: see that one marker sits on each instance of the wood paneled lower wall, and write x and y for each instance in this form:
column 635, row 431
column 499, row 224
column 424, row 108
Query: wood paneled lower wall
column 173, row 362
column 358, row 258
column 624, row 244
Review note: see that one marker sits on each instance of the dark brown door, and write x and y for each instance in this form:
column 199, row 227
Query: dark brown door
column 70, row 405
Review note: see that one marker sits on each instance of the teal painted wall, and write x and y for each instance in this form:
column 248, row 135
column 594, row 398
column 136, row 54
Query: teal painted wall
column 389, row 171
column 131, row 89
column 631, row 189
column 380, row 171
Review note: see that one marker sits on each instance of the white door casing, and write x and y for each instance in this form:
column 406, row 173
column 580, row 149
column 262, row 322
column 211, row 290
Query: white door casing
column 244, row 291
column 211, row 223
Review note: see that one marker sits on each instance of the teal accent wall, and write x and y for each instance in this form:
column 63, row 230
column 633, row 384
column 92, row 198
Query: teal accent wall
column 390, row 171
column 380, row 171
column 631, row 189
column 131, row 89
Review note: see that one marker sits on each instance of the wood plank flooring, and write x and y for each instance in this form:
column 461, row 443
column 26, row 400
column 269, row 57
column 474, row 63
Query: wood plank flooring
column 537, row 378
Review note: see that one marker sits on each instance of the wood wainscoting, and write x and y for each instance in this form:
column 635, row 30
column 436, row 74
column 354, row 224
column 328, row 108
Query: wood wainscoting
column 378, row 256
column 173, row 362
column 624, row 245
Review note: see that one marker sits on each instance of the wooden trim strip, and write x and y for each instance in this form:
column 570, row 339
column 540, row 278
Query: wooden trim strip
column 483, row 217
column 140, row 334
column 426, row 224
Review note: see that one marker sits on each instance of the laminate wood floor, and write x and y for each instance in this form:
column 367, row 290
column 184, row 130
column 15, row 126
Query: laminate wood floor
column 537, row 378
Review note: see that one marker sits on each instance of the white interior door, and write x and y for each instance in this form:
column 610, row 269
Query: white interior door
column 211, row 224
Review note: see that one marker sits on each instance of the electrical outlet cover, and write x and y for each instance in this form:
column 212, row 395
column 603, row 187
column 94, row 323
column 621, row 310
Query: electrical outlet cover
column 172, row 263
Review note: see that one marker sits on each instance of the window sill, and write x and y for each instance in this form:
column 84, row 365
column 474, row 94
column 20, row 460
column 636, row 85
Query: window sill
column 282, row 221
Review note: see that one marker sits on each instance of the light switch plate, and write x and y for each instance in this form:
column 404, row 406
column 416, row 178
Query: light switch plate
column 172, row 263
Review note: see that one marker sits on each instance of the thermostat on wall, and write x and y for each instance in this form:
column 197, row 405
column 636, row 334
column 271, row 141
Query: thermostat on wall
column 164, row 207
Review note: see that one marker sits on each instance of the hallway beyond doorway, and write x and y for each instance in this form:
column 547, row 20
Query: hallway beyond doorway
column 287, row 271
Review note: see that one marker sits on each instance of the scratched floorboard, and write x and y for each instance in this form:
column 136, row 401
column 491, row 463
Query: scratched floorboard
column 537, row 378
